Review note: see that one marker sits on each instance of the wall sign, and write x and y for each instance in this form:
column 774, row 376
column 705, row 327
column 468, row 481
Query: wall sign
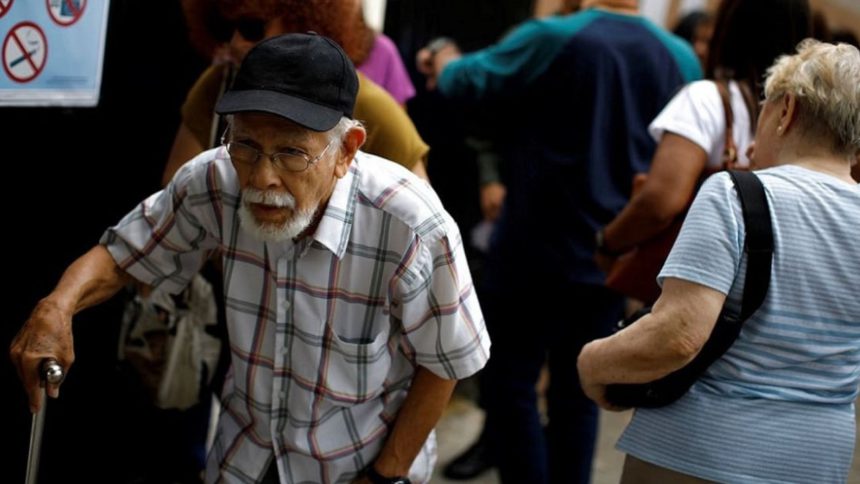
column 52, row 52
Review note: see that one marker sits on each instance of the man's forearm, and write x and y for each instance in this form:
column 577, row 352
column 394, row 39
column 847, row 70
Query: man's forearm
column 427, row 398
column 47, row 333
column 91, row 279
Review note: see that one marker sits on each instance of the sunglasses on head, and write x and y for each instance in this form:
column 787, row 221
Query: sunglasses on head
column 251, row 29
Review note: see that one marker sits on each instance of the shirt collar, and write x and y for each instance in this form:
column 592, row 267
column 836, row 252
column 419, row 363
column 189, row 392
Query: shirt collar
column 336, row 223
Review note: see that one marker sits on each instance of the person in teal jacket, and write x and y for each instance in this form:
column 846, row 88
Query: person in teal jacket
column 579, row 91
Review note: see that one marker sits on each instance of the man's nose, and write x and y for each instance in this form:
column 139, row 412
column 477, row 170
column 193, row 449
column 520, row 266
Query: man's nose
column 264, row 175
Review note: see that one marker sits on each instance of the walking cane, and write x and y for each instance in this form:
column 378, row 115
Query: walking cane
column 49, row 372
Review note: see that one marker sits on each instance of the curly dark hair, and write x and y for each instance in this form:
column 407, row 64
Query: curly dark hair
column 209, row 21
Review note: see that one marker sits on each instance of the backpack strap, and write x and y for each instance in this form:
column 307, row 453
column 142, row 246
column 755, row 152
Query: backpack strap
column 758, row 243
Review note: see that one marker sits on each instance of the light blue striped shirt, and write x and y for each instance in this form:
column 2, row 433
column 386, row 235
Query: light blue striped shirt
column 778, row 406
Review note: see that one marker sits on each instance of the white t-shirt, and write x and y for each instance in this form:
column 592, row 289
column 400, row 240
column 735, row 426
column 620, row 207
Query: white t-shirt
column 696, row 113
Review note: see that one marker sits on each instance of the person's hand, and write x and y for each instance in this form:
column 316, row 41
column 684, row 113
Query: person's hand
column 433, row 58
column 603, row 257
column 492, row 198
column 594, row 390
column 597, row 393
column 46, row 334
column 604, row 261
column 424, row 62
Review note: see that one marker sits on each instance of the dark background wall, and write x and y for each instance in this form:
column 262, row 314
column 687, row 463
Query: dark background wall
column 69, row 173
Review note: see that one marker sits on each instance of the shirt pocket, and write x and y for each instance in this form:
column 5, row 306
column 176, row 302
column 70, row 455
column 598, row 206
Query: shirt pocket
column 357, row 365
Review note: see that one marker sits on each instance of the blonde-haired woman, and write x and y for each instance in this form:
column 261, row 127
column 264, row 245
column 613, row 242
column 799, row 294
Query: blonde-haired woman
column 778, row 406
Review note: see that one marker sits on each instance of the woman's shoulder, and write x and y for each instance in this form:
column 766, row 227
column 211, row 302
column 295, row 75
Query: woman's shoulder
column 694, row 98
column 790, row 177
column 701, row 91
column 695, row 113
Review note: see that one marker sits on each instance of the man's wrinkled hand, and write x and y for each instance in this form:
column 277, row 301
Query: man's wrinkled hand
column 46, row 334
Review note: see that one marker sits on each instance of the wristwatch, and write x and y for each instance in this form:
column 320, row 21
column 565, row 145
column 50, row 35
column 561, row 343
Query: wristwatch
column 600, row 244
column 377, row 478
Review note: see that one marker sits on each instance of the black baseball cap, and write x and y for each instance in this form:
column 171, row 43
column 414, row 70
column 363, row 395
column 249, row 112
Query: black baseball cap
column 306, row 78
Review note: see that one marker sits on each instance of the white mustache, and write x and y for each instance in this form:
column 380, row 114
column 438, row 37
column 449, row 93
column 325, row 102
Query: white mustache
column 268, row 197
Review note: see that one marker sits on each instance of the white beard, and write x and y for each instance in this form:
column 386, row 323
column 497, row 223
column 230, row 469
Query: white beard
column 267, row 232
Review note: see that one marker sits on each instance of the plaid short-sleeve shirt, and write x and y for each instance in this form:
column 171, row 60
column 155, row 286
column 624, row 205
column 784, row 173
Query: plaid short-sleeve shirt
column 325, row 334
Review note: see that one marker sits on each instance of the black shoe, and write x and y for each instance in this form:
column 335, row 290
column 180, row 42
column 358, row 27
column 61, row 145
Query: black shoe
column 471, row 463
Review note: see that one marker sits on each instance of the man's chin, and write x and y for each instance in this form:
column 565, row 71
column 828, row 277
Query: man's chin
column 270, row 223
column 268, row 232
column 264, row 229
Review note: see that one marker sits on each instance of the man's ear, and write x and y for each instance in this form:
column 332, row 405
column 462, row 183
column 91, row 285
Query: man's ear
column 351, row 143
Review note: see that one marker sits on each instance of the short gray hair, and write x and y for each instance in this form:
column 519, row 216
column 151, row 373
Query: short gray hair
column 337, row 134
column 825, row 78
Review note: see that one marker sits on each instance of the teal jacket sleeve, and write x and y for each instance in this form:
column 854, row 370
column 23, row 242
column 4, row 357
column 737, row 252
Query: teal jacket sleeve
column 519, row 58
column 528, row 51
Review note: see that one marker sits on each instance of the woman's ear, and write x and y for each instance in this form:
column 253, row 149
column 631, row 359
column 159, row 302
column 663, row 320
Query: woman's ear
column 352, row 141
column 788, row 111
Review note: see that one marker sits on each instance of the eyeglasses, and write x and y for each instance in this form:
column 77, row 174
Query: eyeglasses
column 294, row 160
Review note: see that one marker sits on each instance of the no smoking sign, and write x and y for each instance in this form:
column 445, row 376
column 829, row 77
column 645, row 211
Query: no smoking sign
column 5, row 6
column 25, row 50
column 66, row 12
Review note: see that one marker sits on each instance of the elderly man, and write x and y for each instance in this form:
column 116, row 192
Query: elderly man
column 350, row 307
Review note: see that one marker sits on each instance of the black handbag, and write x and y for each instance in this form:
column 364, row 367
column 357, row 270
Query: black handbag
column 758, row 245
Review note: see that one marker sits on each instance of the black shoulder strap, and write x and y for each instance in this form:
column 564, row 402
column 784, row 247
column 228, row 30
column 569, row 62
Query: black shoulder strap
column 758, row 243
